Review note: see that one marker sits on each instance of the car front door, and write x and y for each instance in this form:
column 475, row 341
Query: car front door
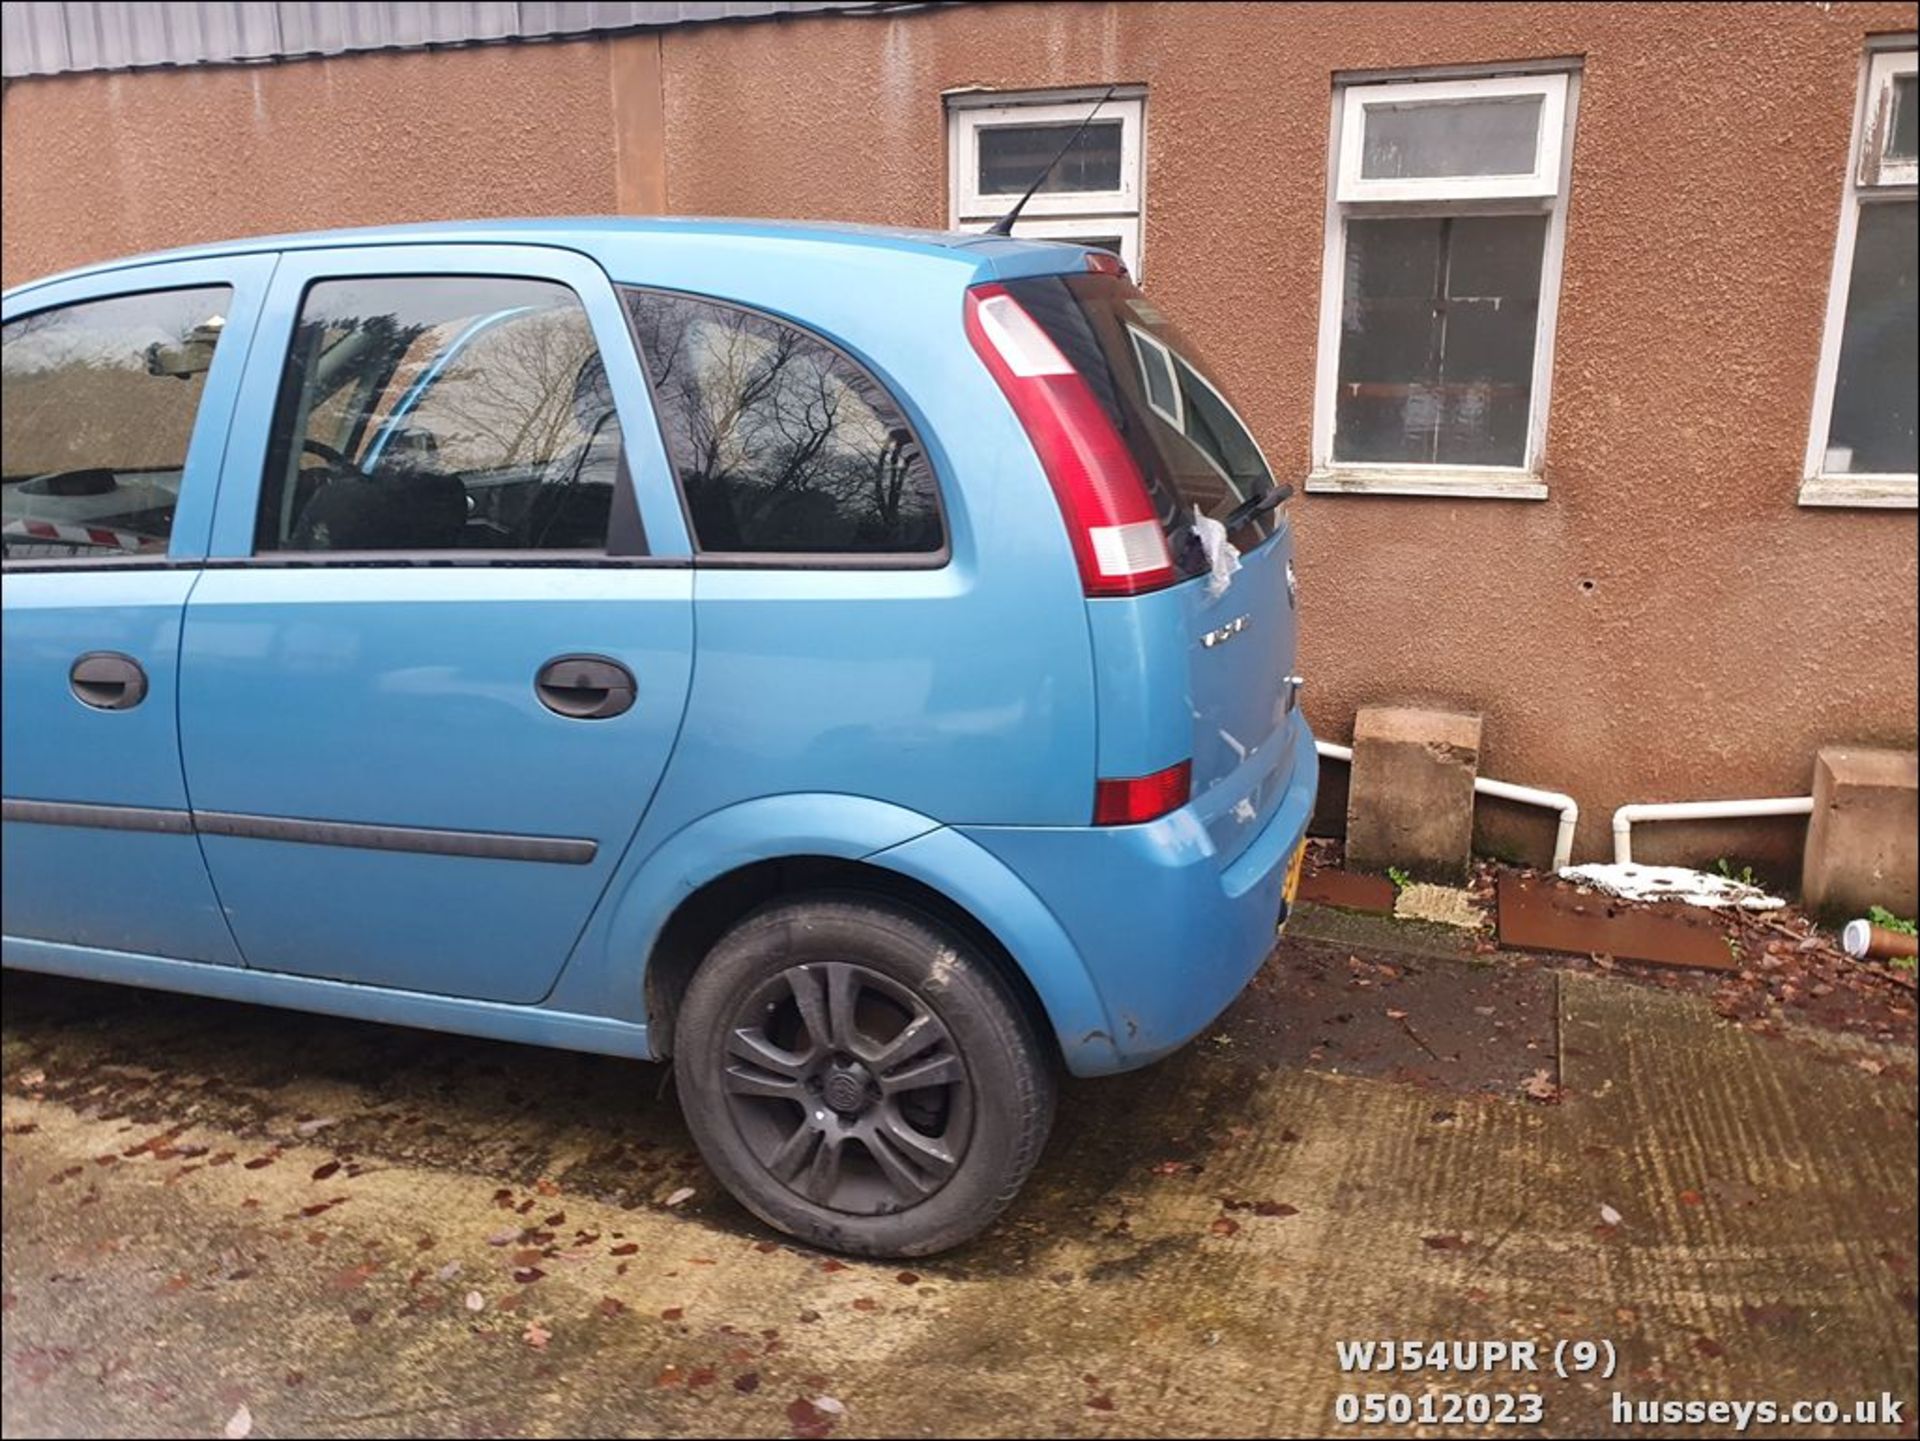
column 437, row 663
column 118, row 388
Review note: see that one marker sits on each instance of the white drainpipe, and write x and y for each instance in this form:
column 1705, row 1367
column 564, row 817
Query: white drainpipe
column 1568, row 807
column 1624, row 818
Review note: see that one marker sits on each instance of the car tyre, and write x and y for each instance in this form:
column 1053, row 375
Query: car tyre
column 861, row 1077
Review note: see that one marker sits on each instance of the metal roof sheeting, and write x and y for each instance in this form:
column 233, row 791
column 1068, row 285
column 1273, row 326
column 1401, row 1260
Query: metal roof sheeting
column 39, row 37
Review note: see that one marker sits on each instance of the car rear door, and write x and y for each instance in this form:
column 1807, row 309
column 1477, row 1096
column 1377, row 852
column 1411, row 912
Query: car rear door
column 118, row 389
column 438, row 661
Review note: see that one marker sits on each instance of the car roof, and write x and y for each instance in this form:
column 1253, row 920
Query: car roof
column 619, row 243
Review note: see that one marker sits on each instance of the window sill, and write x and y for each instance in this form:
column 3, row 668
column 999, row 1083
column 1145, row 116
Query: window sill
column 1450, row 484
column 1879, row 492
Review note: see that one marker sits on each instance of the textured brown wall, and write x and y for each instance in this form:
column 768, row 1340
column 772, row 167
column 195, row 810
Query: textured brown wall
column 1669, row 625
column 104, row 165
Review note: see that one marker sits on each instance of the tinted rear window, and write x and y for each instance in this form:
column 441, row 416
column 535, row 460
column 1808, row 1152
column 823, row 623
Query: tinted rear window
column 1193, row 449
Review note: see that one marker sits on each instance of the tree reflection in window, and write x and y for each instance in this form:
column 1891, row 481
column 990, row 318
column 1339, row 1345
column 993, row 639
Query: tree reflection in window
column 781, row 443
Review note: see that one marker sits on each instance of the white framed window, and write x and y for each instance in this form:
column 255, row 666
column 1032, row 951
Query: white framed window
column 997, row 143
column 1446, row 218
column 1861, row 448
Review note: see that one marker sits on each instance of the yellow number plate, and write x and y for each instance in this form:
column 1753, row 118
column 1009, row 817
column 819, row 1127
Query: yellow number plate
column 1294, row 868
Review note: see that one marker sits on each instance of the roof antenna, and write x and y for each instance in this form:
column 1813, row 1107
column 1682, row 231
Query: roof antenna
column 1004, row 225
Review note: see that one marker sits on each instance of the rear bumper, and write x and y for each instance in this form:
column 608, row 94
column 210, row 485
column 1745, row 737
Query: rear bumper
column 1167, row 935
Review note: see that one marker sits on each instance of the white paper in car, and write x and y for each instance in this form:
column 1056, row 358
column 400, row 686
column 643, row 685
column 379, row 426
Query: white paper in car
column 1222, row 559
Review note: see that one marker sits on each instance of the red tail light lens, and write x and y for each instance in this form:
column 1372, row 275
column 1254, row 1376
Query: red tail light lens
column 1116, row 535
column 1142, row 798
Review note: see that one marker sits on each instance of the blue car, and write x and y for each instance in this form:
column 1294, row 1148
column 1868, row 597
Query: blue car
column 856, row 664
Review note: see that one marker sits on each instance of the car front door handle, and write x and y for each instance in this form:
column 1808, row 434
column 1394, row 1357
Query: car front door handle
column 107, row 680
column 585, row 687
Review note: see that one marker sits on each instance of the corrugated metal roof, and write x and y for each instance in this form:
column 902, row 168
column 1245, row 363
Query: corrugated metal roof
column 40, row 37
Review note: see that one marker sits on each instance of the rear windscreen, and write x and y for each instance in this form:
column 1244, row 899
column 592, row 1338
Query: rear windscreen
column 1191, row 447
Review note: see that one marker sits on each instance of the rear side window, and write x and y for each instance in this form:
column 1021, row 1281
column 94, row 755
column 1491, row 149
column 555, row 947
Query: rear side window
column 782, row 444
column 99, row 405
column 465, row 413
column 1193, row 449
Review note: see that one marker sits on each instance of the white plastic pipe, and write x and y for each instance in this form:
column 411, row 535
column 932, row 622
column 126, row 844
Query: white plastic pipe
column 1624, row 818
column 1568, row 807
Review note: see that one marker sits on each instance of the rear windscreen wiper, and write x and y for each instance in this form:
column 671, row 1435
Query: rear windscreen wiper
column 1257, row 506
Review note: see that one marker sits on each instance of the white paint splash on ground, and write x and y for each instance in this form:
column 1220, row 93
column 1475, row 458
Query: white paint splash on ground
column 1673, row 883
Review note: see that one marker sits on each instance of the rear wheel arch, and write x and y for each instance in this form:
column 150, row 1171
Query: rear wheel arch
column 723, row 902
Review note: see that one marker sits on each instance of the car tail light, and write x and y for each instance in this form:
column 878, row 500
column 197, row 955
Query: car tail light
column 1116, row 535
column 1142, row 798
column 1105, row 262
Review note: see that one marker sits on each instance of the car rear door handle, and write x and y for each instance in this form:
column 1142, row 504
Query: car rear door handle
column 585, row 687
column 107, row 680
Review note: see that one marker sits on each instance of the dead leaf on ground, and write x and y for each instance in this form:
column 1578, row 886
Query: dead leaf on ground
column 239, row 1424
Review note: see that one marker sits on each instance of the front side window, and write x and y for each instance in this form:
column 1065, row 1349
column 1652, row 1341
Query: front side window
column 1444, row 224
column 1863, row 449
column 441, row 413
column 781, row 443
column 99, row 405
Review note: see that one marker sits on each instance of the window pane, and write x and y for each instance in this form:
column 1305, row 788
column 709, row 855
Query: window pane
column 1874, row 390
column 441, row 414
column 781, row 443
column 1012, row 155
column 99, row 405
column 1438, row 325
column 1903, row 131
column 1453, row 137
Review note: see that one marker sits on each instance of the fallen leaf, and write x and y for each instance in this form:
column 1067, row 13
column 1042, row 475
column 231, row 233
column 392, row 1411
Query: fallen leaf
column 747, row 1383
column 1609, row 1215
column 239, row 1424
column 1102, row 1402
column 1540, row 1086
column 1871, row 1066
column 808, row 1420
column 1451, row 1241
column 907, row 1278
column 1709, row 1347
column 673, row 1313
column 315, row 1127
column 1224, row 1226
column 623, row 1250
column 609, row 1306
column 321, row 1172
column 504, row 1238
column 527, row 1275
column 1691, row 1197
column 1274, row 1208
column 536, row 1336
column 685, row 1193
column 447, row 1272
column 830, row 1405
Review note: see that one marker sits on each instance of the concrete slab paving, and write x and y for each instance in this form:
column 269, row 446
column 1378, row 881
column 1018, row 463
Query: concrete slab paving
column 211, row 1206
